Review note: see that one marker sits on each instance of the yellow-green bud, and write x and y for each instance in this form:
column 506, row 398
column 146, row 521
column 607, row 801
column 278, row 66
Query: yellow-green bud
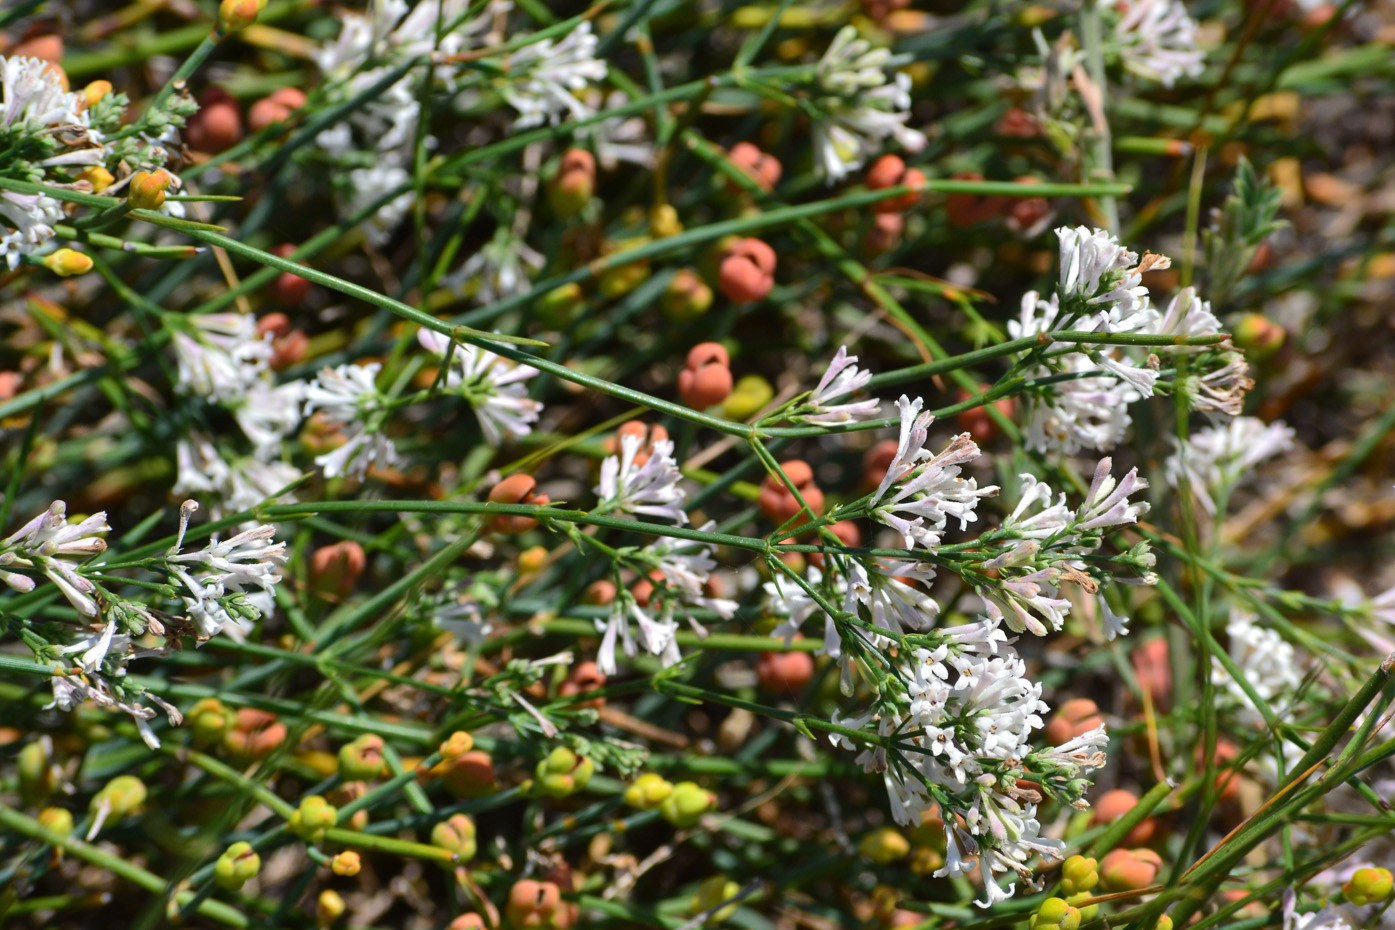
column 236, row 865
column 1087, row 914
column 122, row 796
column 688, row 296
column 93, row 93
column 647, row 791
column 686, row 804
column 147, row 190
column 457, row 834
column 1079, row 874
column 712, row 892
column 884, row 845
column 664, row 221
column 1164, row 923
column 36, row 772
column 751, row 393
column 1368, row 886
column 68, row 262
column 209, row 720
column 314, row 816
column 234, row 15
column 1055, row 914
column 561, row 305
column 346, row 863
column 1259, row 336
column 361, row 759
column 329, row 907
column 57, row 819
column 457, row 745
column 562, row 773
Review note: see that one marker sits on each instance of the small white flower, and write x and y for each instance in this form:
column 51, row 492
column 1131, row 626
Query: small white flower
column 550, row 73
column 650, row 488
column 1107, row 503
column 493, row 385
column 863, row 109
column 1157, row 40
column 843, row 377
column 1219, row 457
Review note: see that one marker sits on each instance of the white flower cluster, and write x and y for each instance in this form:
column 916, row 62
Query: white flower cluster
column 959, row 739
column 350, row 399
column 1086, row 404
column 1219, row 458
column 842, row 378
column 680, row 572
column 1157, row 40
column 643, row 481
column 214, row 580
column 494, row 386
column 376, row 138
column 861, row 109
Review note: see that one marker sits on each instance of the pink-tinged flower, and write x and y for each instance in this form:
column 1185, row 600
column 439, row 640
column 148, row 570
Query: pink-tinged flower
column 1107, row 503
column 843, row 377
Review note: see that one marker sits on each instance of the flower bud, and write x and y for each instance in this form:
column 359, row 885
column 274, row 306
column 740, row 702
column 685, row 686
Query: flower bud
column 99, row 177
column 583, row 678
column 457, row 745
column 1079, row 874
column 235, row 15
column 713, row 891
column 68, row 262
column 468, row 921
column 362, row 759
column 1026, row 214
column 313, row 818
column 1164, row 923
column 57, row 820
column 122, row 796
column 1259, row 336
column 970, row 209
column 534, row 904
column 706, row 381
column 1369, row 886
column 1055, row 914
column 456, row 834
column 764, row 169
column 976, row 421
column 891, row 171
column 93, row 93
column 776, row 500
column 147, row 189
column 1087, row 913
column 217, row 126
column 329, row 906
column 687, row 298
column 884, row 845
column 45, row 47
column 1075, row 717
column 1115, row 804
column 647, row 791
column 346, row 793
column 885, row 233
column 786, row 673
column 255, row 734
column 599, row 593
column 562, row 773
column 1129, row 869
column 37, row 773
column 277, row 108
column 686, row 804
column 238, row 863
column 335, row 569
column 208, row 720
column 560, row 306
column 346, row 863
column 747, row 271
column 664, row 221
column 574, row 184
column 1152, row 666
column 515, row 489
column 470, row 775
column 619, row 280
column 748, row 397
column 1017, row 123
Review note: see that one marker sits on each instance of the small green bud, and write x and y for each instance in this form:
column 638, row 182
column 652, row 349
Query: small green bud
column 209, row 720
column 562, row 773
column 1055, row 914
column 362, row 759
column 687, row 297
column 236, row 865
column 1368, row 886
column 147, row 189
column 1259, row 336
column 236, row 15
column 561, row 305
column 313, row 818
column 712, row 892
column 751, row 393
column 1087, row 914
column 57, row 819
column 1079, row 874
column 36, row 771
column 687, row 803
column 647, row 791
column 884, row 845
column 457, row 834
column 122, row 796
